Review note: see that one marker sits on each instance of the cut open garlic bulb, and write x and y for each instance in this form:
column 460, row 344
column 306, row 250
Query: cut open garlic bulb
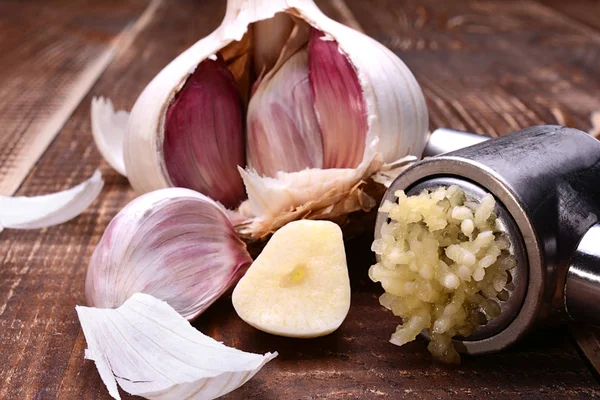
column 315, row 94
column 174, row 244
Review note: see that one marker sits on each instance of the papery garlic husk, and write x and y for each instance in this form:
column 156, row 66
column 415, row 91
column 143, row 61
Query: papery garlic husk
column 50, row 209
column 174, row 244
column 381, row 95
column 151, row 351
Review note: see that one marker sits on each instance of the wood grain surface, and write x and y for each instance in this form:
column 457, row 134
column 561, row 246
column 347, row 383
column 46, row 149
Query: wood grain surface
column 486, row 66
column 52, row 53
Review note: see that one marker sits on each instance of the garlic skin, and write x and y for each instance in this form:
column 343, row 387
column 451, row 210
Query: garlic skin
column 50, row 209
column 174, row 244
column 108, row 128
column 149, row 350
column 396, row 109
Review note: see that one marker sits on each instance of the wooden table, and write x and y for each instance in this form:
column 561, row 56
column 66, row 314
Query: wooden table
column 485, row 66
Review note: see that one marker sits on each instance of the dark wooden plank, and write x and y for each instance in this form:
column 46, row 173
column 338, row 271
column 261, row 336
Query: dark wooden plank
column 583, row 12
column 490, row 66
column 588, row 341
column 52, row 53
column 468, row 84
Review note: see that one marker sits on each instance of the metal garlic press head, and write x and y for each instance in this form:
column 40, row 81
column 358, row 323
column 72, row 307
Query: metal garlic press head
column 546, row 182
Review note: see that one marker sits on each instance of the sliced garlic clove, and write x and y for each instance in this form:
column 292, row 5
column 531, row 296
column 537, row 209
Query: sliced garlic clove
column 151, row 351
column 175, row 244
column 339, row 103
column 283, row 132
column 109, row 128
column 50, row 209
column 204, row 137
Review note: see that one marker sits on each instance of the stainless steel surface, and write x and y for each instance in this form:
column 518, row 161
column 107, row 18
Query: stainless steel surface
column 444, row 140
column 582, row 290
column 546, row 177
column 518, row 286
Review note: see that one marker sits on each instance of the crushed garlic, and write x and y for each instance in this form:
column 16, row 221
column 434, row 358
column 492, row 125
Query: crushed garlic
column 444, row 264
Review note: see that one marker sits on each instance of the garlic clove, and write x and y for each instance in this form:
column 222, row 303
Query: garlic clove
column 109, row 128
column 283, row 132
column 268, row 38
column 298, row 286
column 175, row 244
column 151, row 351
column 339, row 103
column 204, row 138
column 50, row 209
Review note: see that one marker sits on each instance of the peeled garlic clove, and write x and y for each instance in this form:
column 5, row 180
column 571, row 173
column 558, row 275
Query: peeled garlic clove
column 151, row 351
column 283, row 132
column 174, row 244
column 204, row 138
column 339, row 103
column 298, row 286
column 50, row 209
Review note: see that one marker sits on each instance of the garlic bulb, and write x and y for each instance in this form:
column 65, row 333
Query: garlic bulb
column 174, row 244
column 350, row 100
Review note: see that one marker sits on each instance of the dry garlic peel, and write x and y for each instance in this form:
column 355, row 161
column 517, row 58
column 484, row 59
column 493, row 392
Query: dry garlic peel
column 381, row 108
column 312, row 193
column 153, row 352
column 298, row 286
column 443, row 264
column 50, row 209
column 108, row 128
column 174, row 244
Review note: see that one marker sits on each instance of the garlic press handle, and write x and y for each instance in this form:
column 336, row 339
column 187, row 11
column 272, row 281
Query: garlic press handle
column 582, row 287
column 444, row 140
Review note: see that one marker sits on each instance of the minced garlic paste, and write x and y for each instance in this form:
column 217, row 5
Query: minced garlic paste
column 444, row 266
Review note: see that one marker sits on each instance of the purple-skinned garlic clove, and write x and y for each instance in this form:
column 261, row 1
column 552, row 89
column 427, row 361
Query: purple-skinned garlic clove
column 174, row 244
column 339, row 103
column 204, row 135
column 283, row 132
